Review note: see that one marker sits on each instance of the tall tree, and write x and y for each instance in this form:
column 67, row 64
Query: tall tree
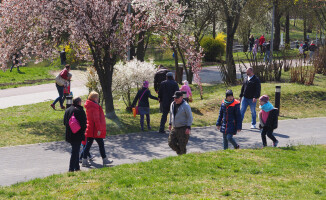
column 232, row 12
column 101, row 29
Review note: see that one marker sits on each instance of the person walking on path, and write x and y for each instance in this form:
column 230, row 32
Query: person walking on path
column 254, row 51
column 185, row 88
column 75, row 139
column 143, row 104
column 180, row 124
column 267, row 51
column 312, row 49
column 261, row 42
column 96, row 128
column 15, row 62
column 62, row 79
column 268, row 117
column 229, row 121
column 250, row 92
column 251, row 42
column 63, row 57
column 159, row 77
column 165, row 96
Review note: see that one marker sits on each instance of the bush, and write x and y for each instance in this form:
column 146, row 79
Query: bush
column 213, row 47
column 72, row 58
column 320, row 60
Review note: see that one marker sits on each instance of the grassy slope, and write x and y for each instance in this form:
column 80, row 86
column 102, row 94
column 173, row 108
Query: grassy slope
column 30, row 74
column 39, row 123
column 279, row 173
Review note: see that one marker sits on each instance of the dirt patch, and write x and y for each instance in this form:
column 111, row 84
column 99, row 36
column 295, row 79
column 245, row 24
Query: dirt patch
column 28, row 82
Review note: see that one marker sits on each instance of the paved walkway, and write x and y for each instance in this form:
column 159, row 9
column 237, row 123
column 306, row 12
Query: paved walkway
column 41, row 93
column 22, row 163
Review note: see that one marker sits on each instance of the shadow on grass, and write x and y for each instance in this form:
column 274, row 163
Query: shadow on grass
column 54, row 130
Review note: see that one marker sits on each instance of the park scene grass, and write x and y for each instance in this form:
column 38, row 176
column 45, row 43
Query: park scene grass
column 294, row 172
column 30, row 74
column 38, row 123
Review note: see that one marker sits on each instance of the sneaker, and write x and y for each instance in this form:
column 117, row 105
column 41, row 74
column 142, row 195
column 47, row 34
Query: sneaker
column 85, row 163
column 253, row 127
column 53, row 106
column 275, row 143
column 149, row 128
column 91, row 158
column 238, row 147
column 107, row 161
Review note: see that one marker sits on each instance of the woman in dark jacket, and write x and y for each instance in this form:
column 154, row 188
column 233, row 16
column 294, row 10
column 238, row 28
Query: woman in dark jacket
column 75, row 139
column 229, row 121
column 143, row 104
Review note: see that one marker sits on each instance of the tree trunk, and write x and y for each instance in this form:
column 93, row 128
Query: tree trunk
column 231, row 71
column 178, row 78
column 277, row 25
column 304, row 28
column 141, row 46
column 287, row 30
column 214, row 27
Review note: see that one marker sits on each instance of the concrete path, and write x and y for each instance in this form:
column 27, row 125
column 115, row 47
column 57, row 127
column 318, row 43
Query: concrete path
column 22, row 163
column 41, row 93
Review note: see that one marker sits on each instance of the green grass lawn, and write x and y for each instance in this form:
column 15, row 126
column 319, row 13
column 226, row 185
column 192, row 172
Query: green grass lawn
column 271, row 173
column 39, row 123
column 31, row 74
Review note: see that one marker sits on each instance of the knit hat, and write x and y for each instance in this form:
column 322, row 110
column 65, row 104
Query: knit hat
column 169, row 74
column 145, row 84
column 264, row 98
column 228, row 93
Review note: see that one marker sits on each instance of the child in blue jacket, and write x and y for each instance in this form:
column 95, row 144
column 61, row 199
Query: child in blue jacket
column 229, row 121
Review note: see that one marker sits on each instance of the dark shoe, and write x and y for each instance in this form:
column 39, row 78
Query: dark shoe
column 149, row 128
column 163, row 132
column 275, row 143
column 53, row 106
column 63, row 107
column 238, row 147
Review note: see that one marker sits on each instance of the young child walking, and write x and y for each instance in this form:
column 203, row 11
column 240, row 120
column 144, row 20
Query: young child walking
column 229, row 121
column 268, row 117
column 143, row 104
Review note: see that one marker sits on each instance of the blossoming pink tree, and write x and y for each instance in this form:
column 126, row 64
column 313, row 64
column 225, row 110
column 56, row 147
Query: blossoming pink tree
column 101, row 30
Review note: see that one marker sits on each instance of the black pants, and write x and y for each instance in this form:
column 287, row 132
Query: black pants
column 164, row 119
column 74, row 159
column 89, row 143
column 269, row 132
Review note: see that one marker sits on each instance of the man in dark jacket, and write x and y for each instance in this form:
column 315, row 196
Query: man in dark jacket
column 250, row 92
column 165, row 96
column 75, row 139
column 159, row 77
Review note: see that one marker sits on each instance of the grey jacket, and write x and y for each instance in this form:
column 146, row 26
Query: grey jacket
column 183, row 116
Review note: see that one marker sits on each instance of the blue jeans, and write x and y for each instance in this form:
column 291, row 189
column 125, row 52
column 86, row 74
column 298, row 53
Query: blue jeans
column 74, row 159
column 60, row 98
column 267, row 54
column 89, row 143
column 244, row 104
column 228, row 138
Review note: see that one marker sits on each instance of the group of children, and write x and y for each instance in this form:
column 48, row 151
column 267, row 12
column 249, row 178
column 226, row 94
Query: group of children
column 229, row 121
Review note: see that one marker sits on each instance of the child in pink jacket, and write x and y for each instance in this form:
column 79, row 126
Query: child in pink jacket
column 185, row 88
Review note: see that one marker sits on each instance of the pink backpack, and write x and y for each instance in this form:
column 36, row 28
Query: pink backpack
column 74, row 124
